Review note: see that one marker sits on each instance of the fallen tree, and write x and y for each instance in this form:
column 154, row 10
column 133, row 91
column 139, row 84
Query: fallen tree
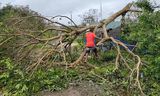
column 49, row 46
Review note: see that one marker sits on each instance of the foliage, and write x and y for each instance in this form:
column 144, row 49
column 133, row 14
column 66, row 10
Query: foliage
column 16, row 82
column 145, row 5
column 8, row 14
column 146, row 32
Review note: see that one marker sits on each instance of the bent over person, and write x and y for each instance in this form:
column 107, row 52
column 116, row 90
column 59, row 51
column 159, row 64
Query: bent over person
column 90, row 44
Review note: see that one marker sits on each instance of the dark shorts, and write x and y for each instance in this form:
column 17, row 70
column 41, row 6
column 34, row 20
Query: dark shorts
column 91, row 49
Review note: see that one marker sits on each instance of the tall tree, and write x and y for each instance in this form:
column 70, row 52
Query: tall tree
column 90, row 17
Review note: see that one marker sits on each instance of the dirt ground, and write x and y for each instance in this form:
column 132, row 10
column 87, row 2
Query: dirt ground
column 82, row 89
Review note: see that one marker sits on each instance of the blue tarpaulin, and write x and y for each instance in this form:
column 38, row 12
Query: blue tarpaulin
column 111, row 44
column 130, row 46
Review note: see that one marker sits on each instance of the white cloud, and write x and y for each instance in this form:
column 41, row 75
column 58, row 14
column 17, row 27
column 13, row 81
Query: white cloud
column 65, row 7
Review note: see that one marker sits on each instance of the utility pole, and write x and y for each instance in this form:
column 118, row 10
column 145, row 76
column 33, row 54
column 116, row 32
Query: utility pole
column 0, row 5
column 101, row 9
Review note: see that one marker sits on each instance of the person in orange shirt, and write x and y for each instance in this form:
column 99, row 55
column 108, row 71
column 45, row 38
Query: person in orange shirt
column 90, row 43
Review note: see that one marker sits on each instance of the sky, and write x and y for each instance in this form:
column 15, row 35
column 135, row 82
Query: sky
column 52, row 8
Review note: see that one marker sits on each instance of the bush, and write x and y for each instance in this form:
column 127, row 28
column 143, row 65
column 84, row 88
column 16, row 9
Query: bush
column 16, row 82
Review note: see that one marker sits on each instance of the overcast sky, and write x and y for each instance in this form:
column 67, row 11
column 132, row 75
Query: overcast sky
column 66, row 7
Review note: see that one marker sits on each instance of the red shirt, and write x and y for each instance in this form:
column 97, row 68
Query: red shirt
column 90, row 39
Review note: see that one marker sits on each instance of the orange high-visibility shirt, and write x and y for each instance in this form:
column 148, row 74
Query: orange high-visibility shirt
column 90, row 37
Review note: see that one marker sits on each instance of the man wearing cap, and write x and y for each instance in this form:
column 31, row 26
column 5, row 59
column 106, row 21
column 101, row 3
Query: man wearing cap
column 90, row 43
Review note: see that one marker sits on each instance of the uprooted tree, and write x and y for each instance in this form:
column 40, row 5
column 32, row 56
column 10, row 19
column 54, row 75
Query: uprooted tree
column 52, row 44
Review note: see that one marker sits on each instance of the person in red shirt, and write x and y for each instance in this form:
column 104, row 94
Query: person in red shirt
column 90, row 43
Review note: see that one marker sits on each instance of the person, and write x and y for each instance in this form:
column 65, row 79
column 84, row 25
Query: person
column 90, row 45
